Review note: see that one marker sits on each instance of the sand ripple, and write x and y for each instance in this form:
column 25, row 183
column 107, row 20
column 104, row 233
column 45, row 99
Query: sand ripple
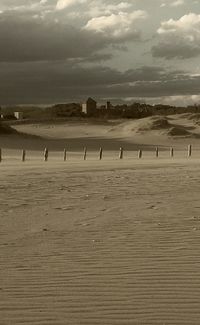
column 105, row 247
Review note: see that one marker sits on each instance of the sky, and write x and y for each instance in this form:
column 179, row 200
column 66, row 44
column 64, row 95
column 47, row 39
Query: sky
column 54, row 51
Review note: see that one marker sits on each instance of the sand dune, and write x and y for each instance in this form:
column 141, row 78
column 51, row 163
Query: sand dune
column 145, row 133
column 142, row 125
column 178, row 131
column 157, row 126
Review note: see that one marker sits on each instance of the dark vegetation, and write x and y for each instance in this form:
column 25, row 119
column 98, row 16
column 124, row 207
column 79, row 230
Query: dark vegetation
column 74, row 110
column 6, row 129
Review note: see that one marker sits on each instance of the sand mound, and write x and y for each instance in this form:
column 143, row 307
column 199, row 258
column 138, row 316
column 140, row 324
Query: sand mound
column 194, row 117
column 141, row 125
column 184, row 115
column 178, row 131
column 153, row 123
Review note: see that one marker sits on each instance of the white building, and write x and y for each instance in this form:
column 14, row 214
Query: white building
column 19, row 115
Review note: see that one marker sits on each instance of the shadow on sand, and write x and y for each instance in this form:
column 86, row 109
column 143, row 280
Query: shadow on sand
column 29, row 142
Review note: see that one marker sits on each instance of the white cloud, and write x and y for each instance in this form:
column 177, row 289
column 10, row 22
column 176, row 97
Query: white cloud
column 62, row 4
column 177, row 3
column 97, row 8
column 116, row 25
column 92, row 8
column 188, row 25
column 179, row 38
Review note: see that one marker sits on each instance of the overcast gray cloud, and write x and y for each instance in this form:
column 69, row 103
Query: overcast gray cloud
column 35, row 39
column 62, row 81
column 60, row 50
column 32, row 38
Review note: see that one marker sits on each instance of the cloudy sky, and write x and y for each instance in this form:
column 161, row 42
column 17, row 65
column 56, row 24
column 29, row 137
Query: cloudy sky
column 66, row 50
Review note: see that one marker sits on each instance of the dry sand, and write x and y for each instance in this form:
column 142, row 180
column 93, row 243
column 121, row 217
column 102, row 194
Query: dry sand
column 176, row 130
column 99, row 242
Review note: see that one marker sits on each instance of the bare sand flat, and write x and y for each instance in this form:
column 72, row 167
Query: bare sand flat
column 110, row 242
column 101, row 242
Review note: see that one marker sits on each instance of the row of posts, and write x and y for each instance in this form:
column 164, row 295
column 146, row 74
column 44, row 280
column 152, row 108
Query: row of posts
column 121, row 153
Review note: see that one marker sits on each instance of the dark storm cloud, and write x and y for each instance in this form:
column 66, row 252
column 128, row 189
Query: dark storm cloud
column 69, row 73
column 179, row 87
column 175, row 49
column 54, row 51
column 55, row 82
column 36, row 39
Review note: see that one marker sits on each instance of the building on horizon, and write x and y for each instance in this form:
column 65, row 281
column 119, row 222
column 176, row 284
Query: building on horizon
column 19, row 115
column 108, row 105
column 89, row 107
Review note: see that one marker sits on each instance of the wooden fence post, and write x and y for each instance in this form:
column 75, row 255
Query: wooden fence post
column 100, row 154
column 140, row 154
column 65, row 155
column 23, row 155
column 189, row 150
column 171, row 152
column 46, row 154
column 157, row 152
column 121, row 153
column 85, row 153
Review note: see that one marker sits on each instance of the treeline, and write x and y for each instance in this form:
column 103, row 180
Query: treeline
column 135, row 110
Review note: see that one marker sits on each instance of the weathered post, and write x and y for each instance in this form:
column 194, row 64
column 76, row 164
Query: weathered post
column 189, row 150
column 46, row 154
column 0, row 155
column 171, row 152
column 121, row 153
column 100, row 154
column 85, row 153
column 23, row 155
column 65, row 155
column 157, row 152
column 140, row 154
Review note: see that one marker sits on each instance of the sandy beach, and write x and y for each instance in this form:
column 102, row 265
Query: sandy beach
column 99, row 162
column 99, row 242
